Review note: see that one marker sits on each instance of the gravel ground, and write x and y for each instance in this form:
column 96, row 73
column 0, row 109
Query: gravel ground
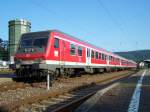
column 63, row 83
column 15, row 95
column 118, row 98
column 5, row 80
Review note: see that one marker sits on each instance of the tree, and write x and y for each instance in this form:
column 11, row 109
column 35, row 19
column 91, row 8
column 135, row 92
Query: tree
column 3, row 49
column 1, row 40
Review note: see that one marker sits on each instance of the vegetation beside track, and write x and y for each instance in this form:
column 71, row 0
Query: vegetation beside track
column 6, row 71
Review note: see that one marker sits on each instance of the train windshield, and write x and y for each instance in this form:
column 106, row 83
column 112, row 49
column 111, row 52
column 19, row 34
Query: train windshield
column 34, row 42
column 26, row 43
column 37, row 44
column 40, row 42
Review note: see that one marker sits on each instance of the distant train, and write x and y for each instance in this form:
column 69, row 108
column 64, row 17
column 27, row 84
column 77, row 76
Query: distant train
column 56, row 53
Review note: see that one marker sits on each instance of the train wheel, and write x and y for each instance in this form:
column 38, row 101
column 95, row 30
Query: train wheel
column 70, row 72
column 62, row 72
column 57, row 73
column 77, row 73
column 67, row 72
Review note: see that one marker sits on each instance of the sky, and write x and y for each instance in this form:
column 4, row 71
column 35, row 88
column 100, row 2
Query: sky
column 115, row 25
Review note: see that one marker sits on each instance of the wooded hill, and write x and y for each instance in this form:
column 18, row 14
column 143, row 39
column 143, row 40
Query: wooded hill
column 137, row 56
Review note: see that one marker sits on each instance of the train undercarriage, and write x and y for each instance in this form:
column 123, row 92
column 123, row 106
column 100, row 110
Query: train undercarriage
column 39, row 72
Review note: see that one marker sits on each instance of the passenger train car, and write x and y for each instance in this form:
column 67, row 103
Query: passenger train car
column 58, row 53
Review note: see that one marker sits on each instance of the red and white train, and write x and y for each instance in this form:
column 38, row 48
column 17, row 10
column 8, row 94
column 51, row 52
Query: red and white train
column 57, row 53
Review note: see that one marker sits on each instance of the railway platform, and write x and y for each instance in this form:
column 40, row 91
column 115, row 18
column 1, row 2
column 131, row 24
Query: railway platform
column 129, row 95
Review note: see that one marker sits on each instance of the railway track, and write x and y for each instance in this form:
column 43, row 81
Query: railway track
column 69, row 101
column 49, row 101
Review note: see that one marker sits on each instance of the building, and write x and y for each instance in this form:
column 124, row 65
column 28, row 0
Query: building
column 16, row 28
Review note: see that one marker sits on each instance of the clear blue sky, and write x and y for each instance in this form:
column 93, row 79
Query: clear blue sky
column 116, row 25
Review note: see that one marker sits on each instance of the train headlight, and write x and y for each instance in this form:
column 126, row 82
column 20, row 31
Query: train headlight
column 17, row 65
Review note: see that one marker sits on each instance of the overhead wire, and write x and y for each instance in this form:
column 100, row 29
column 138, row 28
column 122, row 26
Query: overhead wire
column 65, row 20
column 119, row 25
column 115, row 21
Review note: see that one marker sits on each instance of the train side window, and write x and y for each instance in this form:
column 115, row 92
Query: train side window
column 113, row 59
column 118, row 60
column 92, row 54
column 109, row 58
column 96, row 55
column 103, row 57
column 79, row 51
column 100, row 56
column 72, row 49
column 56, row 43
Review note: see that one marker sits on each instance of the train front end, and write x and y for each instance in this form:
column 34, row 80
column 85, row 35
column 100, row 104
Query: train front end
column 31, row 54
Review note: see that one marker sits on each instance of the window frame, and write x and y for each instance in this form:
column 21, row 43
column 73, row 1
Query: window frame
column 96, row 55
column 92, row 54
column 80, row 51
column 103, row 56
column 110, row 58
column 72, row 46
column 99, row 55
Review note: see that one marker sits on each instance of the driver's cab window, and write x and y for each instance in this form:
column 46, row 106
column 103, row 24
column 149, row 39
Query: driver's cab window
column 56, row 43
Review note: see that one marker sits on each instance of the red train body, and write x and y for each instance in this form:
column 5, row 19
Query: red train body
column 60, row 53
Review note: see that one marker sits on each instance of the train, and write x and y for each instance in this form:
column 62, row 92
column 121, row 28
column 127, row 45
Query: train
column 57, row 53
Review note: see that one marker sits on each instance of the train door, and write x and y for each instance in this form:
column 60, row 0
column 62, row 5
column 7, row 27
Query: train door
column 56, row 49
column 88, row 56
column 62, row 53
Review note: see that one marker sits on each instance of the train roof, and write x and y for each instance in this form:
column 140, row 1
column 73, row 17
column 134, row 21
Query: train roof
column 70, row 36
column 110, row 53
